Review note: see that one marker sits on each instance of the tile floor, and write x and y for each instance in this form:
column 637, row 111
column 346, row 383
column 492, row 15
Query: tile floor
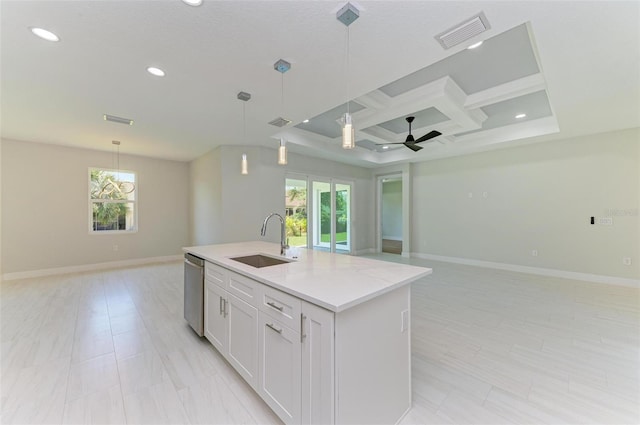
column 488, row 346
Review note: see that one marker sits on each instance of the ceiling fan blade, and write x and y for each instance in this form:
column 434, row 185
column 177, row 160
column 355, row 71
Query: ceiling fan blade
column 429, row 135
column 413, row 146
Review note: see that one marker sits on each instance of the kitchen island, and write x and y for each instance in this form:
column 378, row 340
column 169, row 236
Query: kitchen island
column 323, row 338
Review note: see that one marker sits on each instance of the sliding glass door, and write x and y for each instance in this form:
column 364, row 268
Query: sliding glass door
column 295, row 203
column 319, row 213
column 331, row 230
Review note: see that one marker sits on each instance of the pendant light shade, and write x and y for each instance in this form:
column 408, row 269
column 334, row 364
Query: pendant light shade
column 244, row 168
column 282, row 152
column 348, row 132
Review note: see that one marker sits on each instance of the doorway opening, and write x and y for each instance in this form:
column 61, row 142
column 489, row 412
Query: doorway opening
column 391, row 223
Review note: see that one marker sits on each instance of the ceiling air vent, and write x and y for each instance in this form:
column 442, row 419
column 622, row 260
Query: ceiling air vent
column 280, row 122
column 119, row 120
column 464, row 31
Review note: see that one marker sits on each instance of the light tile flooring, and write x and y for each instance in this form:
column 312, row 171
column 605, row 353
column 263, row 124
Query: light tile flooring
column 489, row 347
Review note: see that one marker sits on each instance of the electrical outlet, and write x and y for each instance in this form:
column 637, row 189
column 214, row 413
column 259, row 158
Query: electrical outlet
column 115, row 247
column 470, row 194
column 605, row 221
column 404, row 317
column 485, row 194
column 534, row 252
column 626, row 261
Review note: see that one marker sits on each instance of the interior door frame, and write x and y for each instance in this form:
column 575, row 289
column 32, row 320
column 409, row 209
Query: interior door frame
column 406, row 209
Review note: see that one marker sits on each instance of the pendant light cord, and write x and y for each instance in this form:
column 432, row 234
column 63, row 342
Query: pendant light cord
column 348, row 70
column 282, row 94
column 244, row 123
column 118, row 163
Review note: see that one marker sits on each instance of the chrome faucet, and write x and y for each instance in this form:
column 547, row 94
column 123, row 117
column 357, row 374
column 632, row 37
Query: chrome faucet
column 263, row 231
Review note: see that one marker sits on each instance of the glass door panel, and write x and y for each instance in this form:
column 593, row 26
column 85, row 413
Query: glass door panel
column 342, row 217
column 296, row 212
column 322, row 215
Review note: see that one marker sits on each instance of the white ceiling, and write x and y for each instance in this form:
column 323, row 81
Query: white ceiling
column 588, row 54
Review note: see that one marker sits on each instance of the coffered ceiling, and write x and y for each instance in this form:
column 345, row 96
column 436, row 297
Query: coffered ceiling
column 571, row 67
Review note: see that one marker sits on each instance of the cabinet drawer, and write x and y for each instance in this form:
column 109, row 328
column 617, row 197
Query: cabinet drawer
column 246, row 289
column 215, row 274
column 282, row 307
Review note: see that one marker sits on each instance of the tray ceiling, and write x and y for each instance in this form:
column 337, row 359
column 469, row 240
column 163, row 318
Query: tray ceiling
column 537, row 58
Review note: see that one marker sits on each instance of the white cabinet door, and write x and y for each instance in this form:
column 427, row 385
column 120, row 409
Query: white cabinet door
column 215, row 323
column 317, row 365
column 242, row 347
column 280, row 381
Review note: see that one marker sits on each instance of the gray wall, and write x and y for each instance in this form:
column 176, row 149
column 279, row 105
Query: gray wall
column 392, row 210
column 244, row 201
column 45, row 208
column 539, row 196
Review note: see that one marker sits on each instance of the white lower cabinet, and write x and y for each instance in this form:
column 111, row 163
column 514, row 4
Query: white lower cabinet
column 280, row 359
column 231, row 325
column 318, row 371
column 242, row 349
column 215, row 323
column 310, row 365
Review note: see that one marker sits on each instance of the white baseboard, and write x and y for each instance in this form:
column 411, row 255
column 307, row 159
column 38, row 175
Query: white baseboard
column 588, row 277
column 392, row 238
column 365, row 251
column 89, row 267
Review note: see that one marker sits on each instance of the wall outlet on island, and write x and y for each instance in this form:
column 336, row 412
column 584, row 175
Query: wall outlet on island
column 626, row 261
column 404, row 318
column 534, row 252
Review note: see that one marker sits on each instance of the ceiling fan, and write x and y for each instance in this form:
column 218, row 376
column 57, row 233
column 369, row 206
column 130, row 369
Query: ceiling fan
column 410, row 142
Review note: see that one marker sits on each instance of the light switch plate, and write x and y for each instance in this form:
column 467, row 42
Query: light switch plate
column 605, row 221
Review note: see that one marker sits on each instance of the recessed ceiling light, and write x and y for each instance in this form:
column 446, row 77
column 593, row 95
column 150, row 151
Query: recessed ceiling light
column 385, row 147
column 521, row 116
column 155, row 71
column 474, row 45
column 192, row 2
column 305, row 121
column 44, row 34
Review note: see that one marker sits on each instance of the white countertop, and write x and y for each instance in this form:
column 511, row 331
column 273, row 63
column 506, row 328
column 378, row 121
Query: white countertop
column 332, row 281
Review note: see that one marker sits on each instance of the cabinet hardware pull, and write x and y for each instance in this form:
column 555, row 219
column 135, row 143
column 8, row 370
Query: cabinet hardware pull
column 302, row 334
column 279, row 308
column 220, row 304
column 274, row 328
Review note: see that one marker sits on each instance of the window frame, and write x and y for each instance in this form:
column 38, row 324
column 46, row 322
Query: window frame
column 92, row 201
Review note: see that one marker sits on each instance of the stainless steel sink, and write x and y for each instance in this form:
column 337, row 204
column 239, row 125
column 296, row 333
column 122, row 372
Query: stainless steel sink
column 259, row 260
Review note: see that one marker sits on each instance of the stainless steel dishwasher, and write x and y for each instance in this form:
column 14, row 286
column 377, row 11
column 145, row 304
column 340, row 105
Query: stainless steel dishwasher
column 194, row 292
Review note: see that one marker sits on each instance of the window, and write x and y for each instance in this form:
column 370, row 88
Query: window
column 112, row 201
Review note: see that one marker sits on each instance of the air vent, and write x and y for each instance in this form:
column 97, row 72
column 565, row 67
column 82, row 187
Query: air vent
column 119, row 120
column 464, row 31
column 280, row 122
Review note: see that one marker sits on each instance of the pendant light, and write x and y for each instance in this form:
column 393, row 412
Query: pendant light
column 244, row 167
column 282, row 152
column 347, row 15
column 282, row 66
